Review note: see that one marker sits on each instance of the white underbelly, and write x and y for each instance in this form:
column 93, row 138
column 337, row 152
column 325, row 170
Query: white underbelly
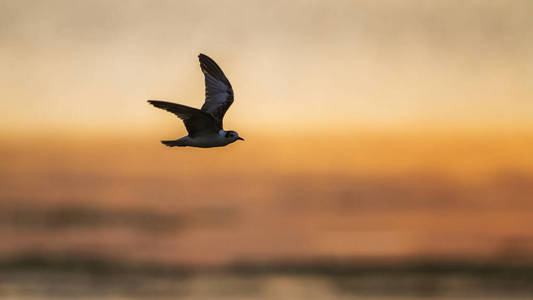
column 214, row 140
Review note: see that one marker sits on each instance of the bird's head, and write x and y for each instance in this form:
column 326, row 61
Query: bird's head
column 232, row 136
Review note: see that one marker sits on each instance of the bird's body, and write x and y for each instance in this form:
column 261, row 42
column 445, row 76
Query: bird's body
column 202, row 141
column 205, row 125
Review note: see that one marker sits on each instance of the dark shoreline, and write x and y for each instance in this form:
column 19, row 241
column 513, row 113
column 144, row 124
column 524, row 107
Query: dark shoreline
column 321, row 266
column 71, row 275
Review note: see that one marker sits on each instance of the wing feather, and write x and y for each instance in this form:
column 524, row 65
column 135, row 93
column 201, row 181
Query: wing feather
column 196, row 121
column 218, row 90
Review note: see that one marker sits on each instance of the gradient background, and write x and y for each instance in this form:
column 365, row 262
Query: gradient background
column 381, row 131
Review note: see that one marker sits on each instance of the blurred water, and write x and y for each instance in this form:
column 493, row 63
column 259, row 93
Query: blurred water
column 223, row 285
column 68, row 226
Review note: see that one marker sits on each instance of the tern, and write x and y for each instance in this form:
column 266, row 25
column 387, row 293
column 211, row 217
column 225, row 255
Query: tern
column 205, row 125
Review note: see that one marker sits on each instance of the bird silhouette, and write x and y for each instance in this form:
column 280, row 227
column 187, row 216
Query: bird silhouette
column 205, row 125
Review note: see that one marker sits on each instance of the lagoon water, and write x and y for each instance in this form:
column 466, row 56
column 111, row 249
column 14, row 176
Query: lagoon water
column 48, row 285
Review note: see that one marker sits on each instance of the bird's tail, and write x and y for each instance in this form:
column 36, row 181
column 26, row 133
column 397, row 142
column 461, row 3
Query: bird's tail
column 174, row 143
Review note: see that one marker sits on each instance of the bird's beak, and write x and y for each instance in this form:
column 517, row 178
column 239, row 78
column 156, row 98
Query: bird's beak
column 240, row 138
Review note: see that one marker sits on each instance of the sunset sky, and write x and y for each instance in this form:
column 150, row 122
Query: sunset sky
column 373, row 128
column 82, row 67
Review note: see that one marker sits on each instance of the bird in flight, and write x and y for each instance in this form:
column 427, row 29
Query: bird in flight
column 205, row 125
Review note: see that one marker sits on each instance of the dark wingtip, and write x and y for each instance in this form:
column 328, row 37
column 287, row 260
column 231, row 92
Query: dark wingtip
column 202, row 57
column 157, row 103
column 208, row 65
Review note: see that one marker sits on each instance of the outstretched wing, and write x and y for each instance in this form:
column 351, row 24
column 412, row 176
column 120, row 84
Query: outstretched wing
column 218, row 91
column 196, row 121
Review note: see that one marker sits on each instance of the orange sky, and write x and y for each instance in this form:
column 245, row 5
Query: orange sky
column 376, row 195
column 304, row 66
column 371, row 127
